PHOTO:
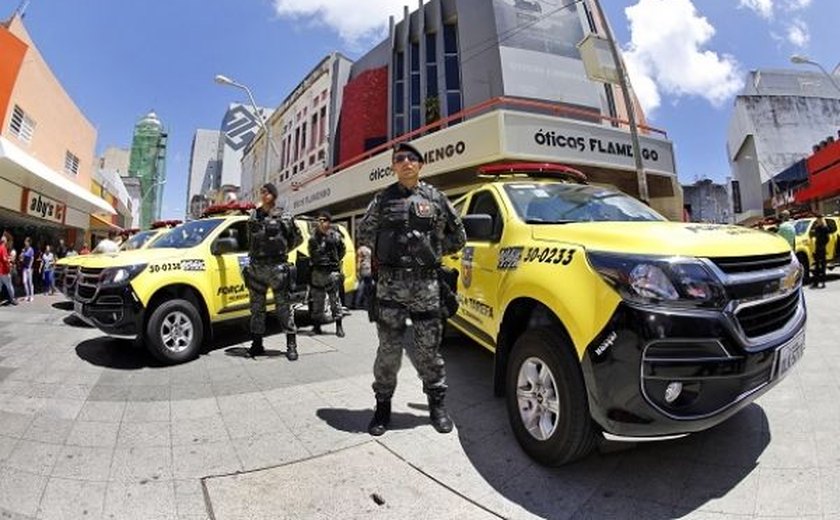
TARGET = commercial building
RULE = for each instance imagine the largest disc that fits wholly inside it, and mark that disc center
(46, 148)
(148, 164)
(108, 185)
(205, 167)
(707, 201)
(475, 82)
(301, 129)
(775, 123)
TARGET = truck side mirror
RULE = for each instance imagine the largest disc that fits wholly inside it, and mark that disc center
(224, 245)
(478, 227)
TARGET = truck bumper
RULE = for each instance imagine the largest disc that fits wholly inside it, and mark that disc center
(116, 311)
(656, 373)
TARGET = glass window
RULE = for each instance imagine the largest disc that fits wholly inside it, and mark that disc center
(801, 226)
(187, 235)
(560, 203)
(415, 118)
(483, 203)
(399, 126)
(431, 81)
(138, 240)
(453, 73)
(415, 56)
(400, 65)
(415, 90)
(239, 232)
(832, 225)
(431, 48)
(450, 38)
(453, 102)
(399, 98)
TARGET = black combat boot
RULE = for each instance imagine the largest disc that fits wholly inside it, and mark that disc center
(381, 417)
(257, 348)
(339, 329)
(316, 329)
(291, 347)
(438, 415)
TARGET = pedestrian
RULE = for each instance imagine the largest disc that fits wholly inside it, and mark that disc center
(787, 230)
(821, 234)
(61, 250)
(409, 226)
(272, 234)
(85, 250)
(28, 259)
(48, 269)
(326, 251)
(364, 275)
(107, 245)
(6, 267)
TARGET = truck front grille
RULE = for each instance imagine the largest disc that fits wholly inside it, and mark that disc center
(748, 264)
(88, 280)
(764, 318)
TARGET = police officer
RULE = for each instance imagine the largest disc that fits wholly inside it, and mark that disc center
(326, 250)
(409, 226)
(272, 235)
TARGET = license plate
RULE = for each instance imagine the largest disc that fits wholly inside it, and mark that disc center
(789, 354)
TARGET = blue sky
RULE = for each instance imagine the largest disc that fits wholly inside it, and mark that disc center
(119, 59)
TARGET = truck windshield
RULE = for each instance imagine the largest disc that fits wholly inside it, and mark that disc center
(564, 203)
(802, 226)
(187, 235)
(137, 241)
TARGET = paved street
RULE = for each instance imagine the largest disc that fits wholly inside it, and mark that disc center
(92, 428)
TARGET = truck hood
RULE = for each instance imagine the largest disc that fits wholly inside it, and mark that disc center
(664, 238)
(139, 256)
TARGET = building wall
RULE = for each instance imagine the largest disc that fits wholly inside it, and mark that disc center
(707, 201)
(239, 127)
(115, 160)
(59, 124)
(364, 117)
(204, 164)
(774, 124)
(13, 50)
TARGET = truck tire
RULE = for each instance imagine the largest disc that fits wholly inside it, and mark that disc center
(174, 332)
(546, 399)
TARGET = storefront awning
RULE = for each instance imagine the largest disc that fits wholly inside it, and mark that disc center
(20, 168)
(104, 224)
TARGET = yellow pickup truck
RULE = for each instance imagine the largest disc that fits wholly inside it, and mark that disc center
(606, 319)
(805, 244)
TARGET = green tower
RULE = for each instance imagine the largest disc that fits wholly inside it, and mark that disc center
(148, 163)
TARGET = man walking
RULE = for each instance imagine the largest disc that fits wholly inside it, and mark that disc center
(272, 235)
(326, 251)
(787, 230)
(821, 236)
(6, 270)
(409, 226)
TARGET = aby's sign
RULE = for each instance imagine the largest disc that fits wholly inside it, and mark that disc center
(37, 205)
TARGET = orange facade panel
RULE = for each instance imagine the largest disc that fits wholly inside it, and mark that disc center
(13, 49)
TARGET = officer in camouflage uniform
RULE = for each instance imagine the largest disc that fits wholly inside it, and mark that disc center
(272, 234)
(409, 226)
(326, 250)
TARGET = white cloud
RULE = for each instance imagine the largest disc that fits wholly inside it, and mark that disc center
(354, 20)
(796, 5)
(666, 53)
(798, 33)
(764, 8)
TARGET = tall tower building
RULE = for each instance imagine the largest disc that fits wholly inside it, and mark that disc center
(148, 164)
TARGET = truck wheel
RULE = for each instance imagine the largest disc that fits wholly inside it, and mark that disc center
(806, 268)
(546, 399)
(174, 332)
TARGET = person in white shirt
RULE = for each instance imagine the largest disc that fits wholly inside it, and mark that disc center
(107, 245)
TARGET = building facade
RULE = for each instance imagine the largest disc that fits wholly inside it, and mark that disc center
(205, 167)
(476, 82)
(707, 201)
(775, 122)
(302, 130)
(116, 160)
(46, 148)
(148, 164)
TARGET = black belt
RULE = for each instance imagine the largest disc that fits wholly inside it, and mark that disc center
(409, 273)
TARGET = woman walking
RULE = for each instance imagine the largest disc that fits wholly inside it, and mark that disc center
(48, 269)
(28, 256)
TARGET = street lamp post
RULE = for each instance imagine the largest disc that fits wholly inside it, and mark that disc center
(224, 80)
(798, 59)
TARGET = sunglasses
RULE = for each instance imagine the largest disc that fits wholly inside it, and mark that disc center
(402, 156)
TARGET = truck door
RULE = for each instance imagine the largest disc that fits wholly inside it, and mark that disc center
(229, 291)
(831, 248)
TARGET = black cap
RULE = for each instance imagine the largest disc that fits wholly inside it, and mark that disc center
(324, 214)
(405, 147)
(271, 188)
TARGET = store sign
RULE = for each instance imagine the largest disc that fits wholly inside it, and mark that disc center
(37, 205)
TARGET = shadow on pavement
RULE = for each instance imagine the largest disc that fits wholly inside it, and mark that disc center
(75, 321)
(63, 306)
(656, 480)
(356, 421)
(119, 354)
(243, 352)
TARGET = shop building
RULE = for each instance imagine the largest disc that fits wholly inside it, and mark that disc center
(46, 148)
(774, 125)
(475, 82)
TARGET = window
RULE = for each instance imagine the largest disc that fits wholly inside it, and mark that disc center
(21, 125)
(483, 203)
(239, 232)
(71, 163)
(314, 137)
(303, 138)
(452, 69)
(321, 131)
(450, 39)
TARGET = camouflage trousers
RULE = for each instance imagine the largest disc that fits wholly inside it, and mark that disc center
(401, 299)
(325, 286)
(259, 278)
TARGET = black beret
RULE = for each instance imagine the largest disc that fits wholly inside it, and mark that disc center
(271, 188)
(405, 147)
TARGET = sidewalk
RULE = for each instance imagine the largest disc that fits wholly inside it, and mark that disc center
(92, 428)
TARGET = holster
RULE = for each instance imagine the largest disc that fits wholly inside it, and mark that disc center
(372, 301)
(448, 286)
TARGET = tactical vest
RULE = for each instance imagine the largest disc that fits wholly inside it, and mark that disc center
(406, 229)
(268, 237)
(326, 254)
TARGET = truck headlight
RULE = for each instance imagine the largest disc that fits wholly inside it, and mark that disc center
(120, 275)
(654, 280)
